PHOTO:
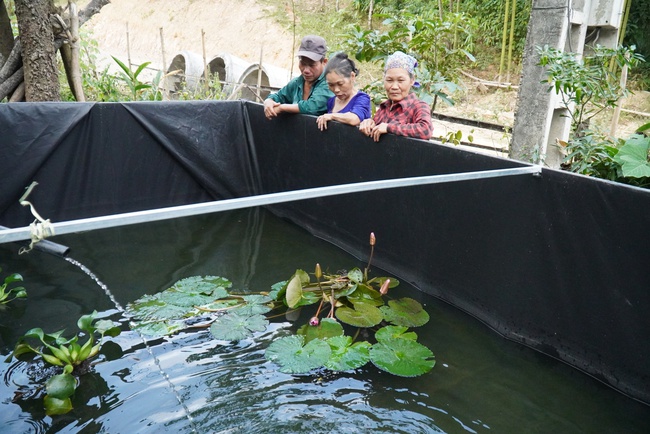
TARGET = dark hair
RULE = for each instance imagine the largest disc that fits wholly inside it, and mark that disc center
(342, 65)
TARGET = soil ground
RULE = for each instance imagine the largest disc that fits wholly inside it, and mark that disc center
(248, 29)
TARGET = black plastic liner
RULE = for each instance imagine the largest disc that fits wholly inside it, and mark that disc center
(558, 262)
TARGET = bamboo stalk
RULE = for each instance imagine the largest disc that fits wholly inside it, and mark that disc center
(503, 39)
(162, 48)
(205, 61)
(128, 46)
(512, 38)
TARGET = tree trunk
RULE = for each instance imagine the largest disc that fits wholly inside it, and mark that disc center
(39, 53)
(6, 34)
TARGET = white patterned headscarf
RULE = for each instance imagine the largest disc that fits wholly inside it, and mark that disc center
(401, 60)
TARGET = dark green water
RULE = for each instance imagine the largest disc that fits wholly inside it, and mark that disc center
(481, 383)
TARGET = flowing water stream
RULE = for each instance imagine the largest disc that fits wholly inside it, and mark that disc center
(192, 383)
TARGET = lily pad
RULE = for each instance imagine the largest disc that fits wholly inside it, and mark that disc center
(294, 358)
(255, 305)
(390, 332)
(402, 357)
(405, 312)
(366, 294)
(185, 299)
(346, 355)
(158, 328)
(210, 285)
(294, 291)
(152, 308)
(355, 275)
(327, 328)
(234, 327)
(363, 315)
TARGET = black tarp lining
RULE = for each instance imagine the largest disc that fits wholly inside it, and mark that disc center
(557, 262)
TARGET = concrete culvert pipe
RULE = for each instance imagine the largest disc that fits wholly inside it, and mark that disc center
(272, 78)
(229, 68)
(185, 71)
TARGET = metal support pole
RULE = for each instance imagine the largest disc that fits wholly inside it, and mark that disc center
(72, 226)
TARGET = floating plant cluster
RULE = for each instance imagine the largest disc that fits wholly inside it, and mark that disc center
(346, 300)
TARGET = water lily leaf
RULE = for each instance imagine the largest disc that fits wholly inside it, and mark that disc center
(405, 312)
(363, 315)
(54, 406)
(402, 357)
(355, 275)
(294, 291)
(327, 328)
(221, 304)
(294, 358)
(214, 286)
(365, 293)
(185, 299)
(255, 305)
(158, 328)
(278, 290)
(345, 355)
(154, 309)
(390, 332)
(234, 327)
(61, 386)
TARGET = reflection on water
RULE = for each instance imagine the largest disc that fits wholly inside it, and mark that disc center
(481, 383)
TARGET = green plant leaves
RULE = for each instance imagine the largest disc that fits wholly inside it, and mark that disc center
(234, 327)
(54, 406)
(633, 156)
(363, 315)
(295, 358)
(405, 312)
(403, 357)
(346, 355)
(61, 386)
(294, 291)
(325, 329)
(161, 314)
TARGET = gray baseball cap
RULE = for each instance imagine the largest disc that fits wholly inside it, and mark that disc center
(313, 47)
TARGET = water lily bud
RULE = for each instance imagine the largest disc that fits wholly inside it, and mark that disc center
(372, 238)
(314, 321)
(318, 272)
(384, 287)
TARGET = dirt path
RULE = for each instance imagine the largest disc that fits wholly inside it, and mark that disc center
(240, 28)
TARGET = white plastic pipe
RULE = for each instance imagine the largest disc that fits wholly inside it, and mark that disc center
(109, 221)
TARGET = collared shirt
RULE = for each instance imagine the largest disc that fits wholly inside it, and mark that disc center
(315, 104)
(409, 117)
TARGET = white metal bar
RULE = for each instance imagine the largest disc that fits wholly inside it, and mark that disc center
(87, 224)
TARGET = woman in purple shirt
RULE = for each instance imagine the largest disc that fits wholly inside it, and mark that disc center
(348, 105)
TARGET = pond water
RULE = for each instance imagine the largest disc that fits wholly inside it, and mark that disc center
(191, 383)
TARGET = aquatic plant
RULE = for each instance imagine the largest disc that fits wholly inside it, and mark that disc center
(348, 299)
(8, 295)
(73, 357)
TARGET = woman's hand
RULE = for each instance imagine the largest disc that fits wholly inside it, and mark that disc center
(366, 126)
(378, 130)
(322, 121)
